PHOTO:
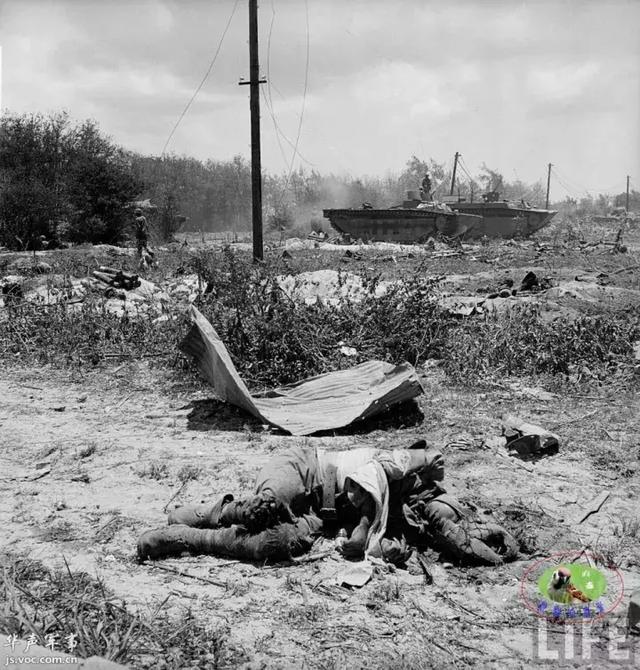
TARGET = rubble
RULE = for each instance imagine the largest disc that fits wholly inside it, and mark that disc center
(122, 292)
(117, 278)
(28, 265)
(633, 614)
(528, 441)
(329, 286)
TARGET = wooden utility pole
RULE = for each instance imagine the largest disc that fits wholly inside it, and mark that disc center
(453, 176)
(626, 206)
(548, 186)
(254, 106)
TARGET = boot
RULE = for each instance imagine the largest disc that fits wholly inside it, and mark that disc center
(200, 516)
(529, 441)
(279, 543)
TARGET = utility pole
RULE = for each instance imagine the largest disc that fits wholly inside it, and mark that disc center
(453, 176)
(626, 206)
(254, 106)
(548, 186)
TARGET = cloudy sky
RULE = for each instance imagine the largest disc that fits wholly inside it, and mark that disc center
(515, 85)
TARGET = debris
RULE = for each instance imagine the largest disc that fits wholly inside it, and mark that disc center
(329, 286)
(29, 265)
(527, 440)
(618, 247)
(633, 616)
(595, 506)
(12, 290)
(355, 574)
(422, 562)
(38, 475)
(325, 402)
(117, 278)
(531, 282)
(182, 573)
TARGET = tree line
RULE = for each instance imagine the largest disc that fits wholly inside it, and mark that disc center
(66, 181)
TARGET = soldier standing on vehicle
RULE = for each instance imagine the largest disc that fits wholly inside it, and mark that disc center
(425, 188)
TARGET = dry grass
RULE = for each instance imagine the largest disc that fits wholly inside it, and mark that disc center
(40, 602)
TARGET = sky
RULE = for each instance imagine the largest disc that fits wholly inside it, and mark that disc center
(361, 86)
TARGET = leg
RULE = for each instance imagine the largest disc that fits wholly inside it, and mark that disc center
(281, 542)
(292, 478)
(284, 491)
(200, 516)
(286, 488)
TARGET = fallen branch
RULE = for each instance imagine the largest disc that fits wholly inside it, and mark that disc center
(181, 573)
(313, 557)
(577, 418)
(138, 355)
(176, 494)
(595, 506)
(511, 459)
(627, 269)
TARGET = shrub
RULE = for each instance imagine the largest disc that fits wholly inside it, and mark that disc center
(275, 340)
(522, 343)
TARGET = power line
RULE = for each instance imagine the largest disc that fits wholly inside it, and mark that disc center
(204, 79)
(304, 93)
(304, 99)
(268, 98)
(275, 127)
(566, 187)
(586, 190)
(280, 134)
(463, 165)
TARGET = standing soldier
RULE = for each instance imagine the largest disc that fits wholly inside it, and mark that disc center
(425, 187)
(142, 232)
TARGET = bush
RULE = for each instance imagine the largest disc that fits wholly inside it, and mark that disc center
(55, 175)
(521, 343)
(275, 340)
(64, 335)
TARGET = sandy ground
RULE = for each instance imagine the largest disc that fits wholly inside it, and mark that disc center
(92, 459)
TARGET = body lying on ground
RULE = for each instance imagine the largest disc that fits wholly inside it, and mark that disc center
(390, 502)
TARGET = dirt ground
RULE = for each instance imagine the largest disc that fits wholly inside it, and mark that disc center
(92, 458)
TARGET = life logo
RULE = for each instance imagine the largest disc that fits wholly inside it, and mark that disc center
(572, 587)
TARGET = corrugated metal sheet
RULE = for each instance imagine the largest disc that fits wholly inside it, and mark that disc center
(325, 402)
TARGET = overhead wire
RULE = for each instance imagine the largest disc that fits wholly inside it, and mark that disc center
(463, 165)
(304, 92)
(204, 79)
(582, 188)
(570, 190)
(281, 134)
(300, 119)
(269, 99)
(568, 183)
